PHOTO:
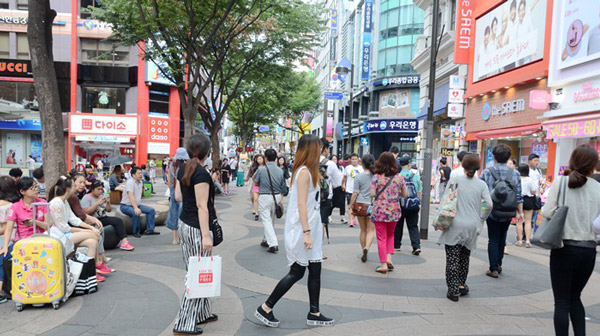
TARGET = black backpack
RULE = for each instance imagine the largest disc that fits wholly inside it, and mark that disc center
(504, 197)
(324, 180)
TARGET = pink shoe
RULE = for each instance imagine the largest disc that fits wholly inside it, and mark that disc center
(102, 269)
(100, 278)
(127, 247)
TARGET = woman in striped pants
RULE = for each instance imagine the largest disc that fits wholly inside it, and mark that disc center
(195, 190)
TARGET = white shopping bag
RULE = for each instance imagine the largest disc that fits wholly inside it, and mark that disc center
(203, 279)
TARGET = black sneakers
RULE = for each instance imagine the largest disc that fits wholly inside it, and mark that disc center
(463, 291)
(319, 321)
(267, 319)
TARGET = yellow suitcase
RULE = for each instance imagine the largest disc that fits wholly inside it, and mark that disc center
(39, 269)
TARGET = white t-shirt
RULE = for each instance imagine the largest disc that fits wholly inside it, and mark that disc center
(30, 163)
(333, 175)
(536, 175)
(529, 187)
(351, 172)
(459, 171)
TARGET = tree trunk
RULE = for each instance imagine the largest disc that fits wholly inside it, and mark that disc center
(216, 148)
(189, 117)
(39, 34)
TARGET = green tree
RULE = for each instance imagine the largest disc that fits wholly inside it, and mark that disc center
(208, 47)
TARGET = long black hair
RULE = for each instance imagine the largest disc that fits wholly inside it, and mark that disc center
(198, 147)
(61, 187)
(8, 190)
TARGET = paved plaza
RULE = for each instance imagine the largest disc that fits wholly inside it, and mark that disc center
(142, 297)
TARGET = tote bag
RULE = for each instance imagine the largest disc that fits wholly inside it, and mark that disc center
(203, 279)
(447, 209)
(550, 233)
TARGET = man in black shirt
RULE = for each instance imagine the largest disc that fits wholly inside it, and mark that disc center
(444, 176)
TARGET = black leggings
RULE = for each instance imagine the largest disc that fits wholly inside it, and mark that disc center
(570, 270)
(296, 273)
(117, 223)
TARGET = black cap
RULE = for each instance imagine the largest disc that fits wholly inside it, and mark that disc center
(404, 161)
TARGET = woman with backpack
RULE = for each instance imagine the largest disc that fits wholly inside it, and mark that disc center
(461, 237)
(572, 265)
(360, 202)
(387, 187)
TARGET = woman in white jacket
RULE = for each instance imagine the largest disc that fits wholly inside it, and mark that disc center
(62, 216)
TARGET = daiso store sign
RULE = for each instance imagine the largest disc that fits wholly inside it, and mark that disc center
(87, 123)
(159, 134)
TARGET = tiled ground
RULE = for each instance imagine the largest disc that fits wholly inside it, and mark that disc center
(142, 297)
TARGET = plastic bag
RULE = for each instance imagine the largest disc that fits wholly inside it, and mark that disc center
(204, 277)
(447, 209)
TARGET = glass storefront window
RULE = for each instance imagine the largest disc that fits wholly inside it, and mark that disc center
(104, 100)
(104, 52)
(22, 46)
(4, 45)
(17, 97)
(3, 4)
(521, 148)
(22, 4)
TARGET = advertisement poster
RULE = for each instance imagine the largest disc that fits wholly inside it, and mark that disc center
(36, 147)
(14, 148)
(395, 104)
(579, 39)
(510, 36)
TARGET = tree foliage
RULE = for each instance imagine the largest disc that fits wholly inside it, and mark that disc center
(271, 97)
(208, 47)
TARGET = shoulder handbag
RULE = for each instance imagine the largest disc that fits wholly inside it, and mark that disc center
(550, 233)
(214, 226)
(369, 211)
(278, 205)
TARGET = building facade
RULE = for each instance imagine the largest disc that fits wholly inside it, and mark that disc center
(508, 65)
(112, 100)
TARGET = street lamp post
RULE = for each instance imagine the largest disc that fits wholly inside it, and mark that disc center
(429, 125)
(346, 71)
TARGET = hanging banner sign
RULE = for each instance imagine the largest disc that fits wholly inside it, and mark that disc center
(334, 22)
(464, 31)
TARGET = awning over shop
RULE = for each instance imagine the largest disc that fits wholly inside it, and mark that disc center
(583, 125)
(439, 105)
(504, 132)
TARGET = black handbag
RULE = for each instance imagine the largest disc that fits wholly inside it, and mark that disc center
(278, 205)
(214, 226)
(537, 203)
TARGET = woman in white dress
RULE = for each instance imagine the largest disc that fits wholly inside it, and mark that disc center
(303, 235)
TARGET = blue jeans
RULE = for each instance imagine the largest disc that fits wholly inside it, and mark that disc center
(150, 214)
(174, 212)
(496, 242)
(8, 258)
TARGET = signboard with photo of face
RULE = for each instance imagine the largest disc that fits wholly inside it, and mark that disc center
(395, 104)
(510, 36)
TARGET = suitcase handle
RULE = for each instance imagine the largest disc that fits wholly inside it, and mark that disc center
(48, 217)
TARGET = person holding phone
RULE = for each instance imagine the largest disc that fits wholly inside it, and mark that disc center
(96, 204)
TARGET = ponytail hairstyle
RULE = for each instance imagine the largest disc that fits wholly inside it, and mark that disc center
(198, 147)
(582, 164)
(63, 184)
(471, 164)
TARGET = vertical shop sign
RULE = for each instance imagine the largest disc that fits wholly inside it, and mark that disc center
(334, 22)
(366, 49)
(464, 31)
(158, 135)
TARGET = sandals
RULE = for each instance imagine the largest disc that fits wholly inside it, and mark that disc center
(527, 244)
(379, 270)
(390, 267)
(519, 243)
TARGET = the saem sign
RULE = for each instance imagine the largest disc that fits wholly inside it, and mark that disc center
(464, 31)
(85, 123)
